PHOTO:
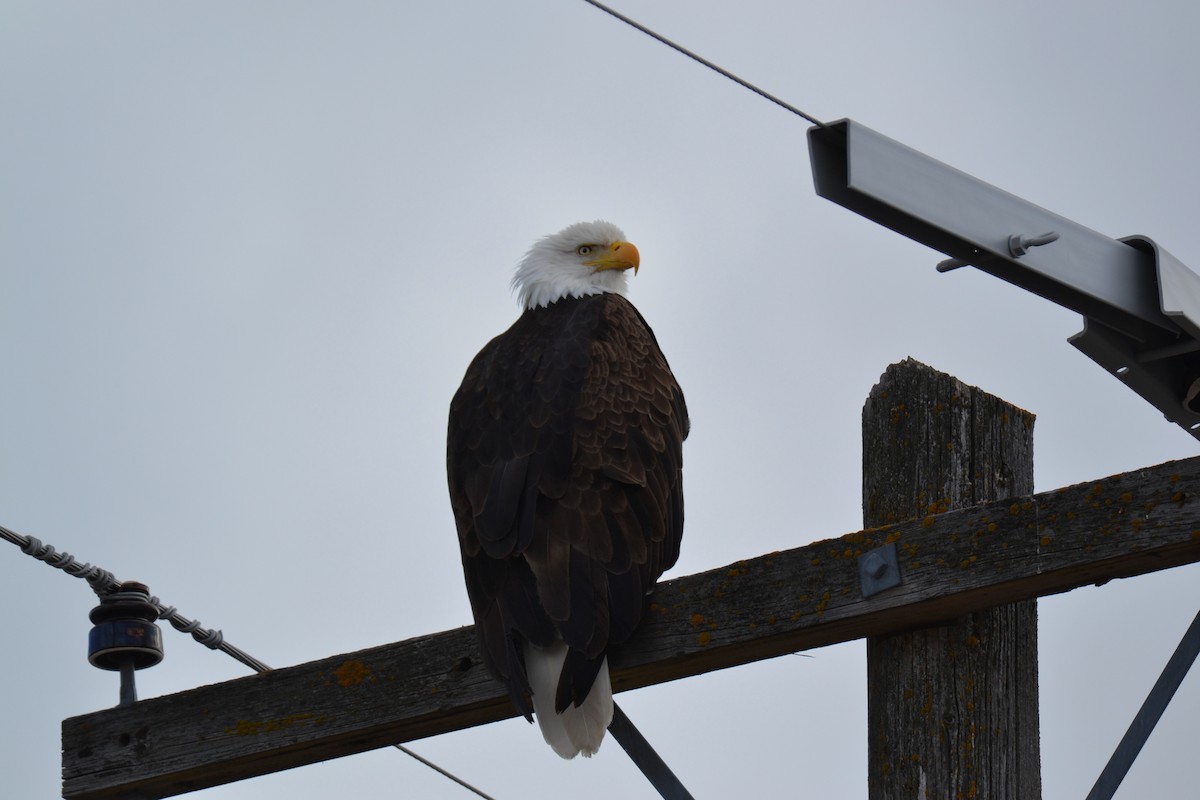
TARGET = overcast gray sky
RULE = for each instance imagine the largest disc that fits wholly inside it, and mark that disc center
(248, 249)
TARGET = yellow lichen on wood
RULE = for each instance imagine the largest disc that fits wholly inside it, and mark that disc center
(352, 673)
(246, 727)
(820, 609)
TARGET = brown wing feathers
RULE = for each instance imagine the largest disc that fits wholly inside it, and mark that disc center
(565, 458)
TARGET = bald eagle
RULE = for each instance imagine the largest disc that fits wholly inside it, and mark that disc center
(564, 458)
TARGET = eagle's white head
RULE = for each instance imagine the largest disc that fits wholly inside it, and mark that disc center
(581, 259)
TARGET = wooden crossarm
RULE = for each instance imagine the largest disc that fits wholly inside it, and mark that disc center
(779, 603)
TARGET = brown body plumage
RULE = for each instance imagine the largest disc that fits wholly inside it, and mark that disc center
(564, 458)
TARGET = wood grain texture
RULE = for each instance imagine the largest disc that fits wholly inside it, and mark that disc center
(952, 708)
(952, 563)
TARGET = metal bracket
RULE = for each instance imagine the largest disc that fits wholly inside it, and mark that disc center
(879, 569)
(1142, 306)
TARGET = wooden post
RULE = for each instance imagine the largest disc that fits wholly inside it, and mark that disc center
(953, 708)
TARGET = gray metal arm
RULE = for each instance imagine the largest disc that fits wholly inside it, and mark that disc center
(1142, 306)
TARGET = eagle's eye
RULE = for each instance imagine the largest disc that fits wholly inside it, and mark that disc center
(583, 249)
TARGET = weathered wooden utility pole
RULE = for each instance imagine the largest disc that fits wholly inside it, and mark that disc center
(952, 708)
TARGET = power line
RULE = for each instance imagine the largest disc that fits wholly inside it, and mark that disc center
(101, 580)
(707, 63)
(104, 583)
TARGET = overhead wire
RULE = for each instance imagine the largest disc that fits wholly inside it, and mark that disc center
(104, 583)
(700, 59)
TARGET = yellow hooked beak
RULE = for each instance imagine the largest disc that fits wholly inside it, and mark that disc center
(619, 255)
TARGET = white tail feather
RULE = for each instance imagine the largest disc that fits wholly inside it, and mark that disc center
(577, 729)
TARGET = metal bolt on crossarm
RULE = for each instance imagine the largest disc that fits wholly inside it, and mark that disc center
(124, 637)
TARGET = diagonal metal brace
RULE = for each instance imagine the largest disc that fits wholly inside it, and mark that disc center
(648, 761)
(1141, 305)
(1148, 715)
